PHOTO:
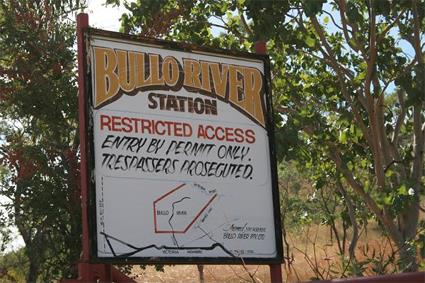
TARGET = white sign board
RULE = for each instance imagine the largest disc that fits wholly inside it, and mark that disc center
(181, 154)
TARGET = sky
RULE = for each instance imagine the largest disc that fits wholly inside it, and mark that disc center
(103, 17)
(107, 17)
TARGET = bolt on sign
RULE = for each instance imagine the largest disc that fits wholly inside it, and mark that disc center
(182, 159)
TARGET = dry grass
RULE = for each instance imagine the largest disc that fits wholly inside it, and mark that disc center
(312, 245)
(314, 251)
(213, 273)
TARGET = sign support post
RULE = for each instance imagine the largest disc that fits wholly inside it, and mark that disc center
(275, 269)
(82, 23)
(88, 272)
(84, 268)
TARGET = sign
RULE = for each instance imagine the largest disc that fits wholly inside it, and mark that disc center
(182, 165)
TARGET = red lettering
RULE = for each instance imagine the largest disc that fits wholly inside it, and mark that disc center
(178, 130)
(127, 127)
(212, 132)
(169, 127)
(239, 135)
(105, 121)
(187, 129)
(229, 134)
(136, 124)
(201, 132)
(116, 123)
(250, 136)
(157, 130)
(146, 124)
(223, 136)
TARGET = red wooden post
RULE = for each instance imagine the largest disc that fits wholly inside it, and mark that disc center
(88, 272)
(84, 268)
(275, 269)
(260, 47)
(107, 273)
(275, 273)
(82, 23)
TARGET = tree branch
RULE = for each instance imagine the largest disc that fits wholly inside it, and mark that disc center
(343, 6)
(398, 75)
(220, 26)
(384, 142)
(353, 45)
(418, 142)
(400, 119)
(285, 110)
(381, 36)
(372, 54)
(332, 19)
(334, 64)
(416, 33)
(376, 139)
(348, 175)
(352, 215)
(245, 24)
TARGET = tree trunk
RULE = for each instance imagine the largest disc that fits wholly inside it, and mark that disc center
(33, 271)
(201, 273)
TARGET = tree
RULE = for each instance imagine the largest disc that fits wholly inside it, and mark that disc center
(340, 102)
(334, 68)
(39, 137)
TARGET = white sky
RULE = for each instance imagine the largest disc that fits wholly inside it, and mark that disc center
(102, 17)
(107, 18)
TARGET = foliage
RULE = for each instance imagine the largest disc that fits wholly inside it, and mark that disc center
(39, 144)
(13, 266)
(331, 91)
(303, 207)
(4, 233)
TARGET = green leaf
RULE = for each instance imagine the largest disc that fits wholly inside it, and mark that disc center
(342, 137)
(360, 77)
(353, 12)
(402, 190)
(367, 186)
(326, 20)
(388, 200)
(311, 42)
(312, 8)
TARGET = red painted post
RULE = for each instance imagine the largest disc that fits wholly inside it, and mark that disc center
(275, 269)
(82, 23)
(107, 269)
(88, 272)
(275, 273)
(85, 271)
(260, 47)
